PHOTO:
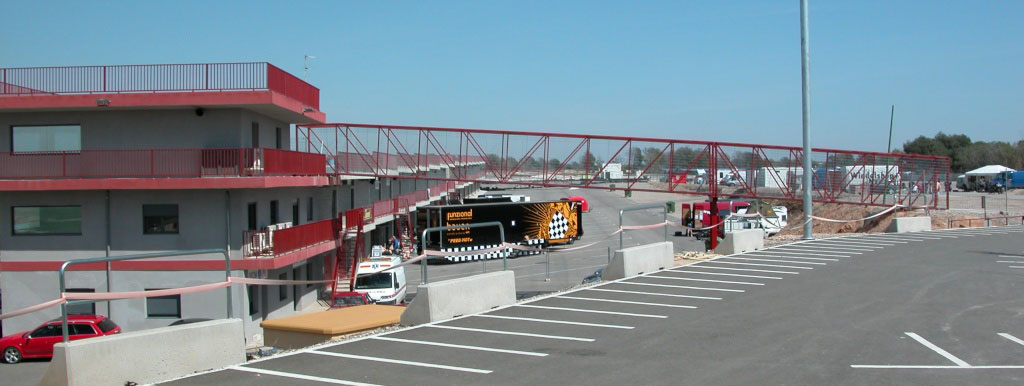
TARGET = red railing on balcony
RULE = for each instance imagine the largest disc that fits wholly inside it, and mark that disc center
(156, 78)
(160, 163)
(304, 236)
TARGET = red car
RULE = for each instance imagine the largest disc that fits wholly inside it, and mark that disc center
(348, 299)
(39, 343)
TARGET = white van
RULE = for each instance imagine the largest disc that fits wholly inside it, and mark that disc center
(387, 287)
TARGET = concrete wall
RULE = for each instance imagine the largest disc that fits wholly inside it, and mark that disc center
(160, 129)
(442, 300)
(147, 356)
(741, 241)
(910, 224)
(633, 261)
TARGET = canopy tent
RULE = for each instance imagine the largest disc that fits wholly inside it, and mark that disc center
(988, 170)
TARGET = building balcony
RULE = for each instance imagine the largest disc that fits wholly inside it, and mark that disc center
(260, 86)
(155, 168)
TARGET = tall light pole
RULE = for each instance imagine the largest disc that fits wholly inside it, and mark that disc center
(805, 70)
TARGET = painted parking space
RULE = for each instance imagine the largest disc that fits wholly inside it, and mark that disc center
(655, 318)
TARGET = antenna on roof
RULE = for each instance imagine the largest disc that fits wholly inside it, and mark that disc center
(305, 65)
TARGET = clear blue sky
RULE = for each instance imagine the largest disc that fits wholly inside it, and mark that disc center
(706, 70)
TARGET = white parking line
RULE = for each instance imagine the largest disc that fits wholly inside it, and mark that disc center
(486, 331)
(902, 236)
(656, 294)
(400, 362)
(554, 321)
(732, 274)
(854, 243)
(740, 269)
(790, 257)
(933, 367)
(775, 260)
(477, 348)
(706, 280)
(794, 253)
(680, 286)
(628, 302)
(1012, 338)
(852, 251)
(593, 311)
(1009, 261)
(1019, 256)
(1015, 266)
(758, 265)
(299, 376)
(938, 350)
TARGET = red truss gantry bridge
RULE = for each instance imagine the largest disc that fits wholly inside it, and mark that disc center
(713, 169)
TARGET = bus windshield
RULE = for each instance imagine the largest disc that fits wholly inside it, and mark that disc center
(375, 281)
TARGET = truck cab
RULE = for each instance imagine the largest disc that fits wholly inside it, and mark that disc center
(380, 286)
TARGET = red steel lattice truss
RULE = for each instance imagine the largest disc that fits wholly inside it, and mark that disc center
(713, 169)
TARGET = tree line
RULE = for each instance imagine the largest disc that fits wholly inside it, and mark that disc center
(965, 155)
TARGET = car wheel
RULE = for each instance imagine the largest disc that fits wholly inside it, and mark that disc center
(12, 355)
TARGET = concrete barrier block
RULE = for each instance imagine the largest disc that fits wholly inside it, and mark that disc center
(633, 261)
(147, 356)
(741, 241)
(910, 224)
(447, 299)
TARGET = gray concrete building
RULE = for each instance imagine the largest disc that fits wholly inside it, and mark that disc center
(202, 158)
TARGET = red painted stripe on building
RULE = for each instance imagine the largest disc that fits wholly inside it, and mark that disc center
(164, 183)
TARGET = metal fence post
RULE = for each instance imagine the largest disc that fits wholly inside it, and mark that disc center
(547, 264)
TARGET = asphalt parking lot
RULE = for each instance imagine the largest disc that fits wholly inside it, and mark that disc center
(937, 308)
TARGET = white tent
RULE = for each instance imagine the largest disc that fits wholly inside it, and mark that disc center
(988, 170)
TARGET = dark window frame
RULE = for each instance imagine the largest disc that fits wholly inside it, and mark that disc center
(254, 306)
(91, 305)
(278, 135)
(295, 212)
(149, 313)
(274, 209)
(14, 230)
(177, 220)
(40, 152)
(252, 211)
(255, 135)
(309, 209)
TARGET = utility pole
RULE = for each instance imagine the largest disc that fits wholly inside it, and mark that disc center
(888, 149)
(892, 113)
(805, 70)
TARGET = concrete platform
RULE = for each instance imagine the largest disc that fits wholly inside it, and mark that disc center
(309, 329)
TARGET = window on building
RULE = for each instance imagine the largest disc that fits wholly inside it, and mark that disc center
(273, 212)
(280, 143)
(160, 219)
(309, 209)
(252, 216)
(334, 203)
(282, 290)
(163, 306)
(46, 138)
(309, 274)
(46, 220)
(255, 134)
(295, 212)
(81, 308)
(252, 291)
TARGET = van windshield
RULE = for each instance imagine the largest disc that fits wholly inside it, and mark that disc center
(375, 281)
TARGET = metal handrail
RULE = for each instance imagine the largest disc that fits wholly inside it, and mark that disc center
(664, 209)
(501, 230)
(63, 267)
